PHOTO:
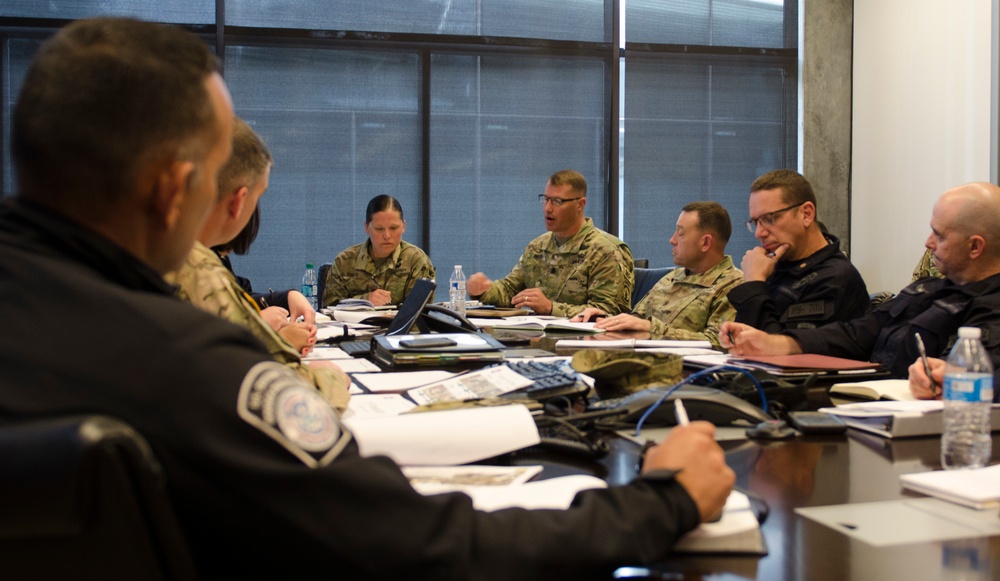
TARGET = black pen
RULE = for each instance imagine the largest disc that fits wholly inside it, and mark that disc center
(927, 364)
(372, 276)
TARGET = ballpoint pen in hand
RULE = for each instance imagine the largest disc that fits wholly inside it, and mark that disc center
(680, 412)
(927, 364)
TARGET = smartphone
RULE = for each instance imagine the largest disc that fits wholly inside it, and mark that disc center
(816, 423)
(427, 342)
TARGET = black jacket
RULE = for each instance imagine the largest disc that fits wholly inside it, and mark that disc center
(933, 307)
(803, 294)
(89, 329)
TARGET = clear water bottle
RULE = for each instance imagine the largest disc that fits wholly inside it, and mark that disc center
(310, 286)
(456, 290)
(968, 393)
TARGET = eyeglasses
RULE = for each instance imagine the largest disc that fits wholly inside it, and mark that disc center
(768, 219)
(557, 202)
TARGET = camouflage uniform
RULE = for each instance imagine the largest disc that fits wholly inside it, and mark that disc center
(690, 306)
(592, 269)
(354, 270)
(926, 267)
(205, 282)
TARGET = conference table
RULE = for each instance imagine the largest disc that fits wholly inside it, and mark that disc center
(807, 471)
(815, 471)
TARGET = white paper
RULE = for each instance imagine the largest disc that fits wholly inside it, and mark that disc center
(446, 438)
(377, 405)
(401, 380)
(481, 384)
(554, 493)
(324, 353)
(702, 347)
(438, 479)
(886, 408)
(355, 365)
(358, 316)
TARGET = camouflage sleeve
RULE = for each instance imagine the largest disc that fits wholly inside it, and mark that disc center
(720, 311)
(503, 290)
(925, 267)
(610, 286)
(422, 268)
(337, 282)
(331, 382)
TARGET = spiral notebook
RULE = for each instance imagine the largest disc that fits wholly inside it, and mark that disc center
(978, 488)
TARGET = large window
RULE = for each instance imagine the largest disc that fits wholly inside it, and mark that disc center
(462, 108)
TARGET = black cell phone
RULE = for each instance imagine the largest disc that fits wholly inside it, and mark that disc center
(427, 342)
(816, 423)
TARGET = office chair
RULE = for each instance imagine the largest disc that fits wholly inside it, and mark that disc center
(83, 498)
(324, 271)
(640, 263)
(645, 280)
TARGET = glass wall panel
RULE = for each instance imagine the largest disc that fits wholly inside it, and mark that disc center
(682, 145)
(178, 11)
(581, 20)
(342, 127)
(17, 56)
(756, 23)
(500, 126)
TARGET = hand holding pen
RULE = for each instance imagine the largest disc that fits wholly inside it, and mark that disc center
(378, 296)
(925, 365)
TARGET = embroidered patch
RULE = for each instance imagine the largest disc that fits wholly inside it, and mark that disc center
(279, 403)
(809, 309)
(805, 279)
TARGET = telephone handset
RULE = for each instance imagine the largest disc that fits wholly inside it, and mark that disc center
(445, 320)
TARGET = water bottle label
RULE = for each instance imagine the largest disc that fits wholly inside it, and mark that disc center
(972, 388)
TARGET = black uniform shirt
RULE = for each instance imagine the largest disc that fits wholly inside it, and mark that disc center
(933, 307)
(803, 294)
(89, 329)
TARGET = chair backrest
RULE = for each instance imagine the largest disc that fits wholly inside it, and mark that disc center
(640, 263)
(646, 279)
(324, 271)
(83, 498)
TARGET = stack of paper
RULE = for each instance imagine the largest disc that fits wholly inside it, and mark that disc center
(978, 488)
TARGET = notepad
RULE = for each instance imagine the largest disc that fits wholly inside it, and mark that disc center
(561, 325)
(891, 389)
(978, 488)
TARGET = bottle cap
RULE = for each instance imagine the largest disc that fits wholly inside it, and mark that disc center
(457, 266)
(309, 265)
(969, 333)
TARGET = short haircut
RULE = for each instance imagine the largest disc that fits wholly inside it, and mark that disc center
(241, 243)
(382, 203)
(248, 162)
(103, 99)
(712, 217)
(795, 188)
(571, 178)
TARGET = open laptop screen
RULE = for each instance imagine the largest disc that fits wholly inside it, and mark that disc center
(408, 313)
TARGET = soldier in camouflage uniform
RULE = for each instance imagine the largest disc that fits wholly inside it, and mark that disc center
(689, 303)
(205, 282)
(926, 267)
(573, 266)
(383, 269)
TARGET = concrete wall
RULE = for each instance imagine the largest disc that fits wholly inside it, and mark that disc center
(825, 38)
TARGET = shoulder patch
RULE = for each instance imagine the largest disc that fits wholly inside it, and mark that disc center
(279, 403)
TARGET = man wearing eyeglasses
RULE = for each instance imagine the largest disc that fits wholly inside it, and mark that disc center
(797, 278)
(963, 242)
(573, 266)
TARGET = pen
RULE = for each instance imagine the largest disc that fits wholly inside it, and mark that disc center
(372, 276)
(680, 412)
(927, 364)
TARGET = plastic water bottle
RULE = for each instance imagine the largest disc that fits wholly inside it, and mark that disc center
(310, 286)
(968, 393)
(456, 290)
